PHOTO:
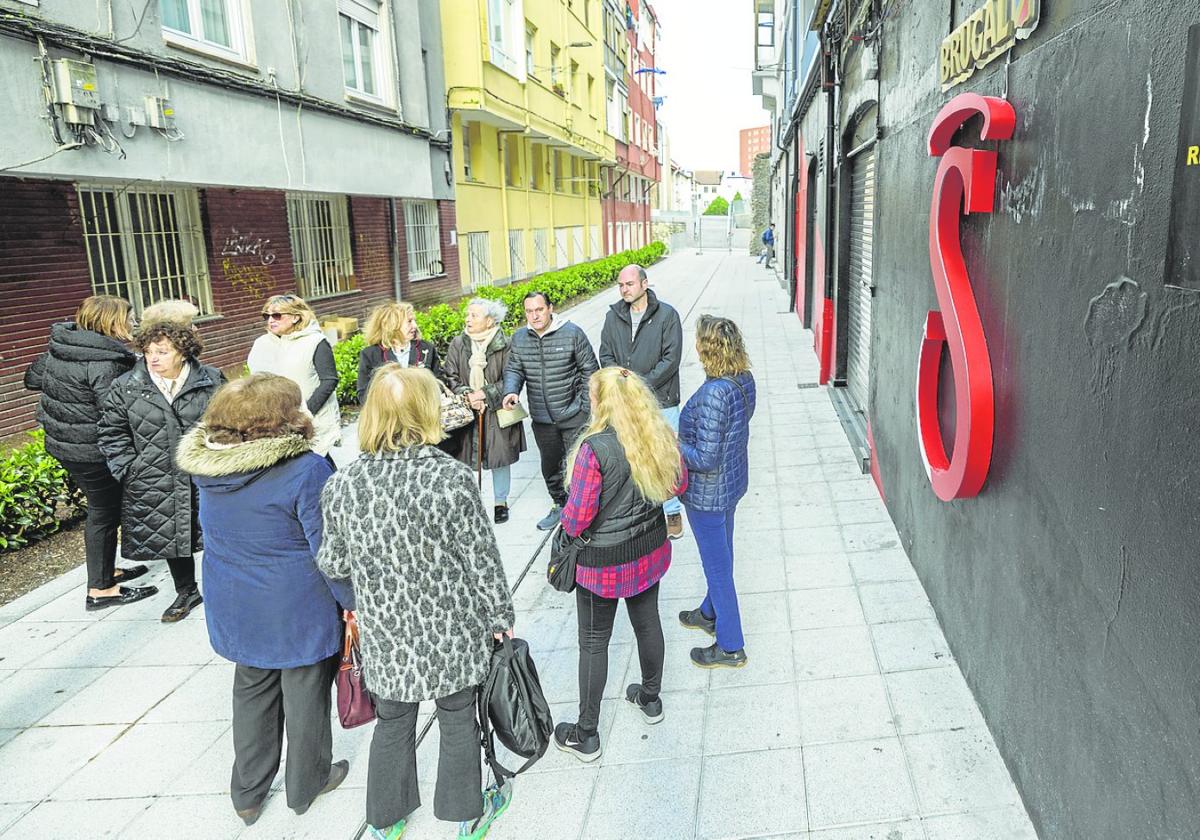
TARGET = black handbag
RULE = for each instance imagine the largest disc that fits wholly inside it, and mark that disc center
(565, 549)
(513, 708)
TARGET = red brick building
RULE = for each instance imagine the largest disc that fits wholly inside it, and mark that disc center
(752, 142)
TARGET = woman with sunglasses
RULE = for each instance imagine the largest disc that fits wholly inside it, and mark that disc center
(294, 347)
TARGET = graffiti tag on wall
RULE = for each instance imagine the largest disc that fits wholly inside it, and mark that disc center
(252, 278)
(246, 244)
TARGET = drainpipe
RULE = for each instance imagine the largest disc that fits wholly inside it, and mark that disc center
(502, 145)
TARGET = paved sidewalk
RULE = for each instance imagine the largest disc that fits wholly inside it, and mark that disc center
(851, 720)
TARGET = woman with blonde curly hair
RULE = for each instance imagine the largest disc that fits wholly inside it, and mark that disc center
(391, 335)
(623, 467)
(714, 432)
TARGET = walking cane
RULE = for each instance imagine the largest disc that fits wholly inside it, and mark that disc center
(479, 451)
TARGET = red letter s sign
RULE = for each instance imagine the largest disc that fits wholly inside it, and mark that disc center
(966, 178)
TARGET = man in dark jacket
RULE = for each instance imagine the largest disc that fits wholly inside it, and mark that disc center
(644, 334)
(553, 359)
(768, 241)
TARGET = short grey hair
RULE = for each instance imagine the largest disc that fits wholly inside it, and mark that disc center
(493, 309)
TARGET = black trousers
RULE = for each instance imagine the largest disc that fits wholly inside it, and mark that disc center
(596, 615)
(183, 572)
(265, 703)
(554, 440)
(103, 494)
(392, 792)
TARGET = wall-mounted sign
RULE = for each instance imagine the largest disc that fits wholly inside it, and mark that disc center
(965, 183)
(1183, 247)
(985, 36)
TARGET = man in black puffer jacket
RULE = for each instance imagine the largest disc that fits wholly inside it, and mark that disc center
(554, 360)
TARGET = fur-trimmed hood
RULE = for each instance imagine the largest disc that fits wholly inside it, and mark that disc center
(239, 463)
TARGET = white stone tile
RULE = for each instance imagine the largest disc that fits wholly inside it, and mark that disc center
(207, 774)
(683, 581)
(679, 673)
(882, 566)
(631, 800)
(10, 812)
(559, 799)
(32, 693)
(862, 511)
(908, 645)
(822, 539)
(185, 643)
(104, 644)
(795, 516)
(69, 606)
(334, 816)
(870, 536)
(748, 542)
(958, 771)
(763, 612)
(833, 652)
(844, 709)
(206, 695)
(206, 817)
(102, 818)
(932, 699)
(777, 803)
(7, 735)
(760, 575)
(905, 830)
(813, 609)
(23, 643)
(549, 629)
(559, 673)
(60, 751)
(758, 717)
(758, 515)
(856, 488)
(790, 457)
(676, 736)
(122, 695)
(141, 761)
(895, 601)
(769, 661)
(818, 571)
(1003, 824)
(857, 782)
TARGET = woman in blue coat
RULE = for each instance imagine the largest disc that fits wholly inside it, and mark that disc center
(714, 430)
(269, 609)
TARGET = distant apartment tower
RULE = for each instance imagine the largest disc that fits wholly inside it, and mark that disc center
(752, 142)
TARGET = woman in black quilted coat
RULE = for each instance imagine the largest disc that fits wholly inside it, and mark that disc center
(146, 413)
(73, 376)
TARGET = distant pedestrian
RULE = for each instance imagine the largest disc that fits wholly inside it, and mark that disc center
(768, 241)
(146, 413)
(268, 608)
(405, 524)
(74, 376)
(626, 463)
(552, 358)
(391, 335)
(294, 346)
(714, 432)
(644, 334)
(474, 366)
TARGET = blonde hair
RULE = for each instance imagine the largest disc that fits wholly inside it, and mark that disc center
(291, 305)
(261, 405)
(720, 347)
(622, 401)
(403, 408)
(180, 311)
(105, 314)
(386, 322)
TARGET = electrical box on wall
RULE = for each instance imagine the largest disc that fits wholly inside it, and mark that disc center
(75, 90)
(160, 113)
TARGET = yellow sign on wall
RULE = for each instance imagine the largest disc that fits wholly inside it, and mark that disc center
(985, 36)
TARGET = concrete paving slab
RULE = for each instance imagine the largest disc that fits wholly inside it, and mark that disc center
(121, 695)
(958, 771)
(40, 759)
(844, 709)
(931, 700)
(813, 609)
(907, 645)
(754, 717)
(1005, 824)
(32, 693)
(894, 601)
(777, 804)
(103, 818)
(857, 782)
(204, 817)
(906, 830)
(656, 799)
(833, 652)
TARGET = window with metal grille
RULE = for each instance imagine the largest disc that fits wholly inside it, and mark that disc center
(562, 236)
(145, 245)
(320, 231)
(541, 250)
(424, 235)
(479, 258)
(516, 254)
(594, 233)
(577, 243)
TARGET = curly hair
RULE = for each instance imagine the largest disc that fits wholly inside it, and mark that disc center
(385, 325)
(182, 337)
(720, 347)
(261, 405)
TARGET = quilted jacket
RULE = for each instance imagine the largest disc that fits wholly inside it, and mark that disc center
(654, 352)
(139, 432)
(555, 367)
(714, 432)
(74, 376)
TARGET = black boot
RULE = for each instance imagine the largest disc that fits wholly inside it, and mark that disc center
(183, 604)
(714, 656)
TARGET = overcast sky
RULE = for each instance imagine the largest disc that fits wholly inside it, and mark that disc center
(707, 49)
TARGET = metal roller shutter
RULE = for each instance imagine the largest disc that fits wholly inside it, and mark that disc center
(862, 232)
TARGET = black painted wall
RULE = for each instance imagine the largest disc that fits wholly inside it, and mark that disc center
(1069, 589)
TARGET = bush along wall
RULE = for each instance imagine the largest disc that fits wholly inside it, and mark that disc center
(32, 486)
(442, 322)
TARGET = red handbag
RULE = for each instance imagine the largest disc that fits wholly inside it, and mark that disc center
(353, 703)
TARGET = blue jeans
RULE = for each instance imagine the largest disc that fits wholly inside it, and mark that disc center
(671, 415)
(713, 531)
(501, 483)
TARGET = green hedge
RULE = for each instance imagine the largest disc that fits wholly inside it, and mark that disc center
(442, 322)
(32, 486)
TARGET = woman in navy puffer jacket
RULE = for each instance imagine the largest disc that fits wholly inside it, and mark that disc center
(714, 430)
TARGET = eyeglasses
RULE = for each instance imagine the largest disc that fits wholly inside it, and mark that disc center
(273, 316)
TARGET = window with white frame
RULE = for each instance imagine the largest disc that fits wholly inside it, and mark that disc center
(319, 226)
(219, 27)
(145, 245)
(424, 237)
(530, 49)
(503, 17)
(364, 49)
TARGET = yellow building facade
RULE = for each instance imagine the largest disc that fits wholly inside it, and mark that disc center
(526, 91)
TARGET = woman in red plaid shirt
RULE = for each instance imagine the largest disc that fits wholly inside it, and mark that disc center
(627, 551)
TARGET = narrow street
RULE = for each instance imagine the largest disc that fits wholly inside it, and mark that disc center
(851, 720)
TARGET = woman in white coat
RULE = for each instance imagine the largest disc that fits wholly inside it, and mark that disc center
(295, 347)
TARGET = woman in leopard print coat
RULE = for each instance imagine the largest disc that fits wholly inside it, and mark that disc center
(406, 525)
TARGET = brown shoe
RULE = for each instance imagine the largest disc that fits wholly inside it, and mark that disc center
(674, 526)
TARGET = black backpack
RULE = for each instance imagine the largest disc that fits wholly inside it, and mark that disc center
(513, 708)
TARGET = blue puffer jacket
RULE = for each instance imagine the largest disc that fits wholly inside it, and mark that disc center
(714, 431)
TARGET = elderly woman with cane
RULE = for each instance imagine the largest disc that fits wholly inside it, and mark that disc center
(474, 367)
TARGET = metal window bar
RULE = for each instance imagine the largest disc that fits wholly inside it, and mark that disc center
(479, 248)
(423, 232)
(577, 243)
(541, 250)
(320, 232)
(594, 233)
(516, 254)
(561, 236)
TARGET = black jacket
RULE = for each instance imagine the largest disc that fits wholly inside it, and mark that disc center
(139, 432)
(372, 357)
(74, 376)
(632, 526)
(555, 367)
(654, 353)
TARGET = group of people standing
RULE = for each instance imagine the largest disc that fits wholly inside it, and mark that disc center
(400, 536)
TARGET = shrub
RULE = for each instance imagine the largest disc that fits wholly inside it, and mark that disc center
(440, 323)
(32, 486)
(718, 207)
